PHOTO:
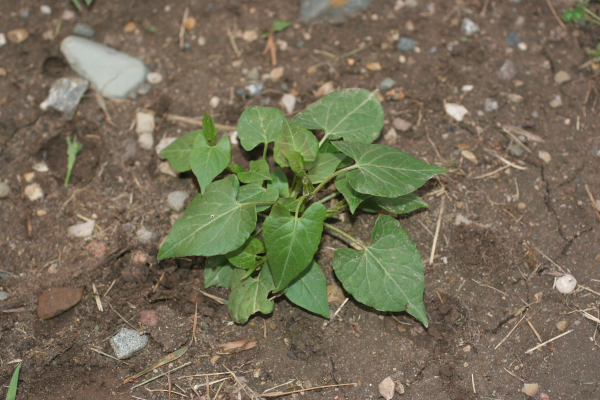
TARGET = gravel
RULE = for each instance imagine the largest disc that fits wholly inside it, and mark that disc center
(128, 342)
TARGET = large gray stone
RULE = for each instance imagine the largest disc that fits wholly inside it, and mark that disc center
(127, 342)
(311, 10)
(113, 73)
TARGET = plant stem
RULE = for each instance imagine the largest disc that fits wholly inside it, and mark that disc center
(591, 14)
(255, 234)
(325, 137)
(262, 203)
(330, 177)
(300, 202)
(344, 234)
(326, 198)
(265, 151)
(253, 268)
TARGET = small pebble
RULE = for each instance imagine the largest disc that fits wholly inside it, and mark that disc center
(24, 14)
(254, 89)
(149, 317)
(33, 192)
(561, 77)
(490, 105)
(2, 41)
(522, 46)
(84, 30)
(374, 66)
(4, 190)
(387, 84)
(276, 73)
(288, 101)
(515, 98)
(530, 389)
(214, 102)
(68, 15)
(253, 74)
(512, 40)
(456, 111)
(56, 300)
(187, 46)
(282, 44)
(401, 124)
(406, 44)
(508, 71)
(166, 169)
(469, 27)
(467, 88)
(177, 200)
(154, 78)
(127, 342)
(391, 136)
(202, 41)
(516, 150)
(433, 50)
(146, 141)
(250, 35)
(46, 10)
(556, 102)
(144, 89)
(83, 230)
(4, 295)
(469, 156)
(17, 35)
(566, 284)
(146, 236)
(144, 122)
(190, 23)
(562, 326)
(129, 27)
(544, 156)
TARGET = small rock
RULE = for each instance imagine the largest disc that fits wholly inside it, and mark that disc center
(46, 10)
(65, 95)
(288, 101)
(214, 102)
(4, 190)
(508, 71)
(374, 66)
(467, 88)
(335, 294)
(456, 111)
(406, 44)
(387, 84)
(325, 89)
(190, 23)
(387, 388)
(144, 89)
(29, 176)
(177, 200)
(530, 389)
(556, 102)
(83, 230)
(254, 89)
(253, 74)
(562, 326)
(399, 387)
(130, 27)
(68, 15)
(276, 73)
(127, 342)
(522, 46)
(410, 26)
(2, 40)
(202, 41)
(544, 156)
(149, 317)
(334, 11)
(4, 295)
(515, 98)
(166, 169)
(84, 30)
(516, 150)
(97, 248)
(34, 192)
(146, 236)
(469, 156)
(144, 122)
(17, 35)
(490, 105)
(512, 40)
(250, 35)
(469, 27)
(282, 44)
(433, 50)
(146, 141)
(566, 284)
(163, 144)
(461, 220)
(391, 136)
(137, 273)
(561, 77)
(401, 125)
(154, 78)
(394, 94)
(24, 14)
(56, 300)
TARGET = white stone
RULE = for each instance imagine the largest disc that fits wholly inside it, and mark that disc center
(83, 230)
(401, 124)
(556, 102)
(146, 236)
(146, 141)
(522, 46)
(46, 10)
(561, 77)
(41, 167)
(544, 156)
(288, 101)
(276, 73)
(566, 284)
(233, 138)
(177, 200)
(113, 73)
(2, 39)
(202, 41)
(166, 169)
(127, 342)
(391, 136)
(469, 27)
(467, 88)
(250, 35)
(461, 220)
(33, 192)
(530, 389)
(282, 44)
(154, 78)
(468, 154)
(387, 388)
(214, 102)
(144, 122)
(456, 111)
(515, 98)
(163, 144)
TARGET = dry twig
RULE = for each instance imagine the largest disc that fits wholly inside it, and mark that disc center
(548, 341)
(437, 231)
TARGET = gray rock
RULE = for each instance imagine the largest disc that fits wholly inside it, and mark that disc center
(127, 342)
(4, 190)
(512, 40)
(311, 10)
(24, 13)
(65, 95)
(433, 50)
(469, 27)
(144, 89)
(490, 105)
(406, 44)
(177, 200)
(507, 71)
(254, 89)
(516, 150)
(146, 236)
(115, 74)
(4, 295)
(84, 30)
(387, 84)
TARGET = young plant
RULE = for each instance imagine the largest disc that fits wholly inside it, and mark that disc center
(77, 4)
(73, 148)
(221, 222)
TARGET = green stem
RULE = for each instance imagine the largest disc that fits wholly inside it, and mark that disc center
(330, 177)
(255, 234)
(591, 14)
(265, 151)
(344, 234)
(323, 140)
(327, 198)
(300, 202)
(253, 268)
(262, 203)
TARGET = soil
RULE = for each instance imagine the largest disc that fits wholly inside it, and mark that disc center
(485, 278)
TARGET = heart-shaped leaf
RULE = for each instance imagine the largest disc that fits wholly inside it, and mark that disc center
(259, 125)
(178, 152)
(255, 192)
(399, 205)
(353, 198)
(295, 138)
(280, 182)
(250, 295)
(217, 272)
(384, 171)
(259, 171)
(296, 162)
(355, 115)
(217, 223)
(209, 161)
(388, 275)
(323, 166)
(292, 241)
(209, 128)
(309, 290)
(247, 255)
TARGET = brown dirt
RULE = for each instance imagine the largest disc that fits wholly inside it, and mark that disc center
(119, 185)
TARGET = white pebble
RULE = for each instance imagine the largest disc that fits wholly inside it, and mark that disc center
(522, 46)
(82, 230)
(46, 10)
(166, 169)
(144, 122)
(566, 284)
(544, 156)
(288, 101)
(146, 141)
(456, 111)
(468, 154)
(154, 78)
(34, 192)
(233, 138)
(202, 41)
(467, 88)
(276, 73)
(41, 167)
(2, 39)
(214, 102)
(530, 389)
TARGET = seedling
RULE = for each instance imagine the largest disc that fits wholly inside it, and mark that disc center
(580, 13)
(73, 148)
(278, 26)
(77, 4)
(14, 382)
(277, 257)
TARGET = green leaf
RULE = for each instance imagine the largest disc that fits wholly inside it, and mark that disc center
(235, 168)
(217, 272)
(255, 192)
(309, 290)
(209, 161)
(290, 203)
(388, 275)
(279, 25)
(296, 162)
(178, 152)
(73, 148)
(247, 255)
(353, 198)
(399, 205)
(355, 115)
(259, 171)
(250, 295)
(323, 166)
(217, 223)
(280, 182)
(11, 394)
(291, 242)
(296, 138)
(210, 130)
(259, 125)
(384, 171)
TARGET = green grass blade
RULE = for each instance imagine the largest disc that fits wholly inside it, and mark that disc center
(88, 2)
(14, 382)
(77, 4)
